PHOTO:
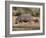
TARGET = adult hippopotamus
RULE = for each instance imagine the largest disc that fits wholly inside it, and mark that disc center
(24, 18)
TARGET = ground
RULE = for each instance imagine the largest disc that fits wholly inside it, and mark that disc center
(25, 26)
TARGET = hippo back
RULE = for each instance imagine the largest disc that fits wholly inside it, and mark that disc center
(24, 17)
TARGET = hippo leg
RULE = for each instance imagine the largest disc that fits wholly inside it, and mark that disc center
(29, 21)
(16, 22)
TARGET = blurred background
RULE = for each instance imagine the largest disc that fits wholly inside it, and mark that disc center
(21, 10)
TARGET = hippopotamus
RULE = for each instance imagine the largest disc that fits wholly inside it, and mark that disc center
(24, 18)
